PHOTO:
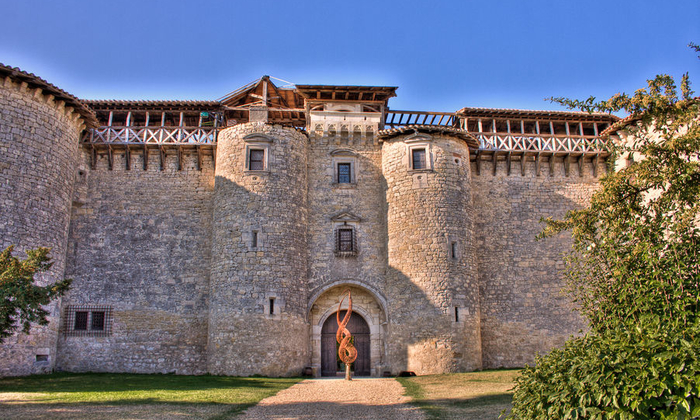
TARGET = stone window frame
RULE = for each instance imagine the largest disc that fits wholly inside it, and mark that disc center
(257, 142)
(344, 156)
(273, 305)
(417, 142)
(90, 311)
(454, 248)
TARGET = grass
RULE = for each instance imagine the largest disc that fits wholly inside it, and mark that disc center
(474, 395)
(113, 396)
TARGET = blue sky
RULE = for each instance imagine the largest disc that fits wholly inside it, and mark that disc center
(442, 55)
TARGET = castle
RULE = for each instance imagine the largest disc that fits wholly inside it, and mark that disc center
(217, 236)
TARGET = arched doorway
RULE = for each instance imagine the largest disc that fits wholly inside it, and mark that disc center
(330, 365)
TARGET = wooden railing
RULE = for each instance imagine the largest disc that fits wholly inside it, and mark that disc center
(150, 135)
(540, 143)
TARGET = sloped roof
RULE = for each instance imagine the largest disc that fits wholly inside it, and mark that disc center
(252, 95)
(34, 81)
(347, 93)
(392, 132)
(528, 113)
(114, 104)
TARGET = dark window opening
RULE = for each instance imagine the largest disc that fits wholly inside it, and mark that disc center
(81, 321)
(344, 173)
(98, 321)
(272, 306)
(257, 160)
(254, 239)
(42, 357)
(345, 240)
(453, 250)
(419, 159)
(456, 314)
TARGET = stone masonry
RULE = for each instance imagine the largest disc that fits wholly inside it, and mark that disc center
(217, 237)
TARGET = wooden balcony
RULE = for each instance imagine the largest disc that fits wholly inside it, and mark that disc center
(588, 145)
(175, 136)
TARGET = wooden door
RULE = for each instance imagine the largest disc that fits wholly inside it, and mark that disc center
(329, 354)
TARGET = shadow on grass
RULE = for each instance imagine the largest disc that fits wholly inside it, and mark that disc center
(105, 389)
(486, 406)
(120, 382)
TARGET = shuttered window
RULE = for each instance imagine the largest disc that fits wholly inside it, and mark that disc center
(257, 160)
(344, 173)
(418, 158)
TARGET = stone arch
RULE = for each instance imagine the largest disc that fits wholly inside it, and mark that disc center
(368, 305)
(381, 299)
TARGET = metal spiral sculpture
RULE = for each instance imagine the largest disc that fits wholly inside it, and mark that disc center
(347, 352)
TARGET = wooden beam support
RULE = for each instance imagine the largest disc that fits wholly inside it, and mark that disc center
(110, 157)
(508, 161)
(93, 157)
(478, 162)
(145, 157)
(580, 165)
(179, 158)
(523, 158)
(199, 158)
(567, 164)
(495, 162)
(162, 157)
(595, 165)
(551, 165)
(213, 157)
(127, 158)
(538, 162)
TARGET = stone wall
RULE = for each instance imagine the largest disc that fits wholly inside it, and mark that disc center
(523, 310)
(38, 154)
(433, 302)
(258, 307)
(140, 243)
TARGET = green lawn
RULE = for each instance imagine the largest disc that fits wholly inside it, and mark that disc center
(114, 396)
(474, 396)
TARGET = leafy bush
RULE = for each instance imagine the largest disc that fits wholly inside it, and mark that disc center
(634, 272)
(648, 372)
(20, 299)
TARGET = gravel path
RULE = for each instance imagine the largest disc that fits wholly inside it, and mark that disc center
(375, 398)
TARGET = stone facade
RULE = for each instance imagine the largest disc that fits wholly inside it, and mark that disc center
(230, 262)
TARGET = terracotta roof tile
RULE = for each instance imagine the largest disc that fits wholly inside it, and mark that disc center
(391, 132)
(37, 82)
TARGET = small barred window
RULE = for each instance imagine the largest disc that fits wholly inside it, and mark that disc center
(88, 320)
(345, 242)
(81, 321)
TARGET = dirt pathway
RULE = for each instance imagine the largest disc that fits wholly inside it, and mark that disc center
(337, 399)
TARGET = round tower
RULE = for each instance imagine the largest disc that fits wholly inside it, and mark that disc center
(258, 286)
(432, 285)
(40, 126)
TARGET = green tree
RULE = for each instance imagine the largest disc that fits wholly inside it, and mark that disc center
(22, 300)
(634, 272)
